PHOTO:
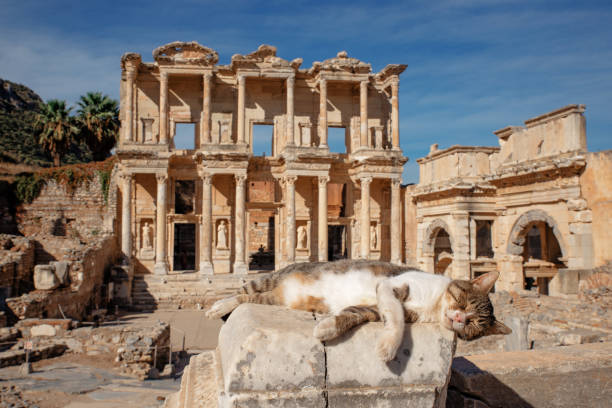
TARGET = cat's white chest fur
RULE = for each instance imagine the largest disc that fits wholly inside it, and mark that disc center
(425, 291)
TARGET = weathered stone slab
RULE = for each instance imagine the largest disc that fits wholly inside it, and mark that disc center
(572, 376)
(268, 357)
(44, 277)
(61, 271)
(518, 339)
(265, 348)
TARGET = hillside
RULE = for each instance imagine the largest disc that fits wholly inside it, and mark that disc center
(18, 145)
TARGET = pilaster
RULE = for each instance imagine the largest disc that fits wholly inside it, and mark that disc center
(396, 238)
(240, 266)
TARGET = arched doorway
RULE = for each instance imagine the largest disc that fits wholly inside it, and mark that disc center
(537, 239)
(438, 244)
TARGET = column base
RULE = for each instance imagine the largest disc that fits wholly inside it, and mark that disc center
(206, 268)
(396, 261)
(160, 268)
(240, 268)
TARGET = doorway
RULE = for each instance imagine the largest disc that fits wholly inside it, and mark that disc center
(184, 247)
(336, 244)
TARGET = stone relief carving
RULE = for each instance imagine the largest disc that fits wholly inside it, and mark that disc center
(180, 52)
(302, 235)
(222, 235)
(373, 237)
(146, 236)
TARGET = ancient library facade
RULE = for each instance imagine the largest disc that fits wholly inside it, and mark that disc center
(257, 164)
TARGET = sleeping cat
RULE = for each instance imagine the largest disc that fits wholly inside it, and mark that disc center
(355, 292)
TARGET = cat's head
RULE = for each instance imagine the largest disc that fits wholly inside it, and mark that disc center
(468, 310)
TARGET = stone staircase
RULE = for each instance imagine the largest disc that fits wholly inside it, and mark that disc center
(182, 291)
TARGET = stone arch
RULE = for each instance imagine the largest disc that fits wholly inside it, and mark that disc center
(516, 240)
(430, 234)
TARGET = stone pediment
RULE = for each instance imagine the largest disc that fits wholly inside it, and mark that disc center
(185, 53)
(390, 71)
(263, 57)
(342, 63)
(130, 60)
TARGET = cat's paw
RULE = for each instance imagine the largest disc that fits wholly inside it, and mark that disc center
(222, 307)
(326, 329)
(387, 346)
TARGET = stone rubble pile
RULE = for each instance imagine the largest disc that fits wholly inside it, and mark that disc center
(11, 397)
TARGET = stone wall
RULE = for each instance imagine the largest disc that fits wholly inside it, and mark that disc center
(596, 186)
(16, 264)
(63, 217)
(87, 268)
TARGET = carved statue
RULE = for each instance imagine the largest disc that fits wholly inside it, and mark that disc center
(302, 236)
(373, 237)
(146, 236)
(222, 235)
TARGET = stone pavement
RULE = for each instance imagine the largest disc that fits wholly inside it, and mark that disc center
(200, 333)
(88, 386)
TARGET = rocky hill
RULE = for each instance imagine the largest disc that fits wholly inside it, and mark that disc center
(19, 106)
(18, 109)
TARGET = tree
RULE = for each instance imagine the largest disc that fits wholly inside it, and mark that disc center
(98, 117)
(56, 128)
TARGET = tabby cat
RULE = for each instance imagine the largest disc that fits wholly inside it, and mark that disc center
(355, 292)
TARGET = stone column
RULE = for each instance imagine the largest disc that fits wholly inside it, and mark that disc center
(473, 242)
(323, 113)
(241, 101)
(290, 208)
(365, 217)
(239, 264)
(322, 218)
(126, 215)
(460, 232)
(396, 237)
(363, 115)
(395, 114)
(163, 108)
(290, 111)
(206, 267)
(205, 119)
(129, 107)
(161, 266)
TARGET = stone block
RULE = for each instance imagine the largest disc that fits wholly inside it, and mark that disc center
(44, 277)
(572, 376)
(61, 271)
(578, 336)
(518, 339)
(43, 330)
(268, 357)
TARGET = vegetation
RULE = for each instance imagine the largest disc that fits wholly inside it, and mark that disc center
(28, 186)
(99, 123)
(37, 133)
(56, 129)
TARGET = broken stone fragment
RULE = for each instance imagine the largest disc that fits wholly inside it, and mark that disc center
(44, 277)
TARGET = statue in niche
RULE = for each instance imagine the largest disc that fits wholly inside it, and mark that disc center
(146, 236)
(302, 236)
(222, 235)
(373, 237)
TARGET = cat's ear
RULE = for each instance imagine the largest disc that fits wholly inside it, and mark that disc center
(497, 328)
(484, 283)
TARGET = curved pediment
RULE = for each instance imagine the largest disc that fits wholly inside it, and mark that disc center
(131, 60)
(343, 63)
(188, 53)
(263, 57)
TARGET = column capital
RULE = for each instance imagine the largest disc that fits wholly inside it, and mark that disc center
(126, 176)
(240, 179)
(323, 180)
(161, 177)
(207, 76)
(206, 178)
(131, 74)
(364, 83)
(164, 76)
(365, 180)
(290, 179)
(396, 182)
(241, 79)
(291, 80)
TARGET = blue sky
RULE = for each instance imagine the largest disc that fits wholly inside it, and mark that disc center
(474, 66)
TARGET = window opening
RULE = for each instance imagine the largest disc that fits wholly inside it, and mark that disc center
(262, 139)
(184, 136)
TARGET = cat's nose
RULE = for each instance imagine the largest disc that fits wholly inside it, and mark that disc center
(459, 317)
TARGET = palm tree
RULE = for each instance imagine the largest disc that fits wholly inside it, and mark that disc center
(56, 128)
(99, 121)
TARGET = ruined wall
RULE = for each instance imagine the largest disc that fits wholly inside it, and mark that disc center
(87, 268)
(63, 218)
(16, 264)
(596, 187)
